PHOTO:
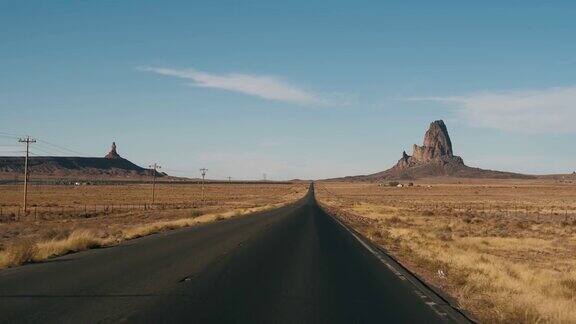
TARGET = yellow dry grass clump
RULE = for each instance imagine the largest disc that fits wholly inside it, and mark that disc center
(78, 240)
(139, 231)
(16, 254)
(27, 251)
(504, 264)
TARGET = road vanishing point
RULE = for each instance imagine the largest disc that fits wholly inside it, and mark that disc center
(295, 264)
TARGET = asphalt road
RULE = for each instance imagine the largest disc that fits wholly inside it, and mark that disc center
(295, 264)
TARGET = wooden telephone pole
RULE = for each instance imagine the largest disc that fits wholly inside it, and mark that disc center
(28, 141)
(203, 173)
(154, 167)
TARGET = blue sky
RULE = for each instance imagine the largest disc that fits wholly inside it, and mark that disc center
(293, 89)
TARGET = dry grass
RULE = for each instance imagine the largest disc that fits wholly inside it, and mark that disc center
(69, 195)
(20, 253)
(78, 240)
(33, 240)
(161, 226)
(512, 262)
(26, 251)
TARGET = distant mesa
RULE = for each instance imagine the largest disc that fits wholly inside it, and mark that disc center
(111, 166)
(435, 158)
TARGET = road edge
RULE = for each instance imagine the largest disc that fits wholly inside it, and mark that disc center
(437, 297)
(167, 229)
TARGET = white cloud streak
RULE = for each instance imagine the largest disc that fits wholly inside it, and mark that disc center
(550, 110)
(523, 163)
(267, 87)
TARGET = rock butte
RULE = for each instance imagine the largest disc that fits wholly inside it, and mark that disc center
(435, 158)
(437, 148)
(111, 166)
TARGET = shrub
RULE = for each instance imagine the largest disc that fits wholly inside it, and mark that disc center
(195, 213)
(78, 240)
(393, 220)
(20, 253)
(375, 233)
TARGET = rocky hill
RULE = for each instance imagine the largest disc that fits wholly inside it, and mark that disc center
(435, 158)
(112, 166)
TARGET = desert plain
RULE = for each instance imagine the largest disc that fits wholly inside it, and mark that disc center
(68, 218)
(504, 250)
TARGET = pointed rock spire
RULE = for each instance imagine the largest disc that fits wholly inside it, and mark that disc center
(437, 147)
(113, 154)
(437, 143)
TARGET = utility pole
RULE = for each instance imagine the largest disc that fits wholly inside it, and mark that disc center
(203, 172)
(154, 167)
(28, 141)
(229, 180)
(264, 176)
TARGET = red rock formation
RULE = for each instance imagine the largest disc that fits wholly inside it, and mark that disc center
(113, 154)
(435, 158)
(437, 148)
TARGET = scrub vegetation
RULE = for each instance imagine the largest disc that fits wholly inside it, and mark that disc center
(61, 227)
(505, 250)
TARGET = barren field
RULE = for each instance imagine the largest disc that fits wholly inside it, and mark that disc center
(505, 250)
(63, 219)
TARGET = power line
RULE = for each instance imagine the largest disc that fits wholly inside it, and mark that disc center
(43, 150)
(179, 171)
(49, 150)
(62, 148)
(52, 145)
(10, 135)
(20, 151)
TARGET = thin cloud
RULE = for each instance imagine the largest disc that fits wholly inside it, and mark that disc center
(523, 163)
(267, 87)
(551, 110)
